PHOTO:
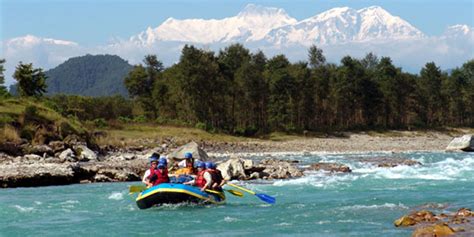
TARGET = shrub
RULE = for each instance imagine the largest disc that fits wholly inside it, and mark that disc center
(9, 134)
(100, 123)
(139, 119)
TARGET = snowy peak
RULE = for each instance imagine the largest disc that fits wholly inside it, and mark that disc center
(251, 24)
(459, 31)
(341, 25)
(273, 25)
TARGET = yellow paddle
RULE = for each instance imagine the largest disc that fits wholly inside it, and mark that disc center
(136, 189)
(264, 197)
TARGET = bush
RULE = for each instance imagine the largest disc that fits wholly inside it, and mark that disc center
(6, 119)
(139, 119)
(31, 111)
(124, 119)
(201, 126)
(100, 123)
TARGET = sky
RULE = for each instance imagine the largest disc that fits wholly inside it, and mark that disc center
(93, 22)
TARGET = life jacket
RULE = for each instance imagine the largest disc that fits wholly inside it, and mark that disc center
(200, 181)
(158, 177)
(185, 170)
(216, 176)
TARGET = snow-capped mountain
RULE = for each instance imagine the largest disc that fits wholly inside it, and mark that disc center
(274, 26)
(457, 31)
(251, 24)
(340, 25)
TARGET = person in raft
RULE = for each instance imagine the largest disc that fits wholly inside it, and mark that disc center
(203, 177)
(216, 174)
(153, 163)
(186, 165)
(157, 175)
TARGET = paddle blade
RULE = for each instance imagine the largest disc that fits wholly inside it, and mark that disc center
(235, 192)
(136, 188)
(266, 198)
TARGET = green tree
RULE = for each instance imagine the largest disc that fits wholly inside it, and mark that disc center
(3, 89)
(316, 57)
(140, 83)
(430, 84)
(31, 81)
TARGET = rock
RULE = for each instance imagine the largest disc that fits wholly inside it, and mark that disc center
(57, 146)
(391, 164)
(35, 174)
(11, 148)
(32, 157)
(38, 150)
(67, 155)
(464, 212)
(464, 143)
(84, 153)
(191, 147)
(437, 230)
(331, 167)
(73, 140)
(233, 169)
(279, 169)
(405, 221)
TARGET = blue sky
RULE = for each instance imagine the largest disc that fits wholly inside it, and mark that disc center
(93, 22)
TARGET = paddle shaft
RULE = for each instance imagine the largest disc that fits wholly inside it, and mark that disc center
(241, 188)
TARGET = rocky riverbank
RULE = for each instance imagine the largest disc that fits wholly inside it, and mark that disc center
(72, 161)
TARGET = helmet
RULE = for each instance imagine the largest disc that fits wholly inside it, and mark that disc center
(163, 160)
(161, 165)
(209, 165)
(153, 159)
(188, 155)
(213, 165)
(200, 164)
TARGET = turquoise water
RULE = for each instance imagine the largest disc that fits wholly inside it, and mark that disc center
(363, 203)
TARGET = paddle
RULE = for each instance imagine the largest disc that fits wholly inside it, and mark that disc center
(136, 188)
(234, 192)
(262, 196)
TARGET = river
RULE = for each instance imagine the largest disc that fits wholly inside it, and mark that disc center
(362, 203)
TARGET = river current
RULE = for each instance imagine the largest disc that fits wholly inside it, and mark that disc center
(362, 203)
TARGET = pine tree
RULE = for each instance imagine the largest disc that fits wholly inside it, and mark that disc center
(31, 81)
(3, 89)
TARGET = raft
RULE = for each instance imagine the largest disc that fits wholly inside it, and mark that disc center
(170, 193)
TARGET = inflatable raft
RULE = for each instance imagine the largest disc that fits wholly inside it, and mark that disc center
(170, 193)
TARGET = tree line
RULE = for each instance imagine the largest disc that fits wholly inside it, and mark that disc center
(240, 92)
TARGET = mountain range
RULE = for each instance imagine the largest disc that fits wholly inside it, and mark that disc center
(275, 26)
(339, 32)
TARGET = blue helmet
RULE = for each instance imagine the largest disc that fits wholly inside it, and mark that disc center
(163, 160)
(200, 164)
(209, 165)
(153, 159)
(188, 155)
(161, 165)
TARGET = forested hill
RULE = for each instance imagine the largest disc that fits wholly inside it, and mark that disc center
(89, 75)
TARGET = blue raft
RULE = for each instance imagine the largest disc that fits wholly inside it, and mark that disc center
(169, 193)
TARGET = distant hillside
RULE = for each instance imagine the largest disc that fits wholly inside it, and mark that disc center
(89, 75)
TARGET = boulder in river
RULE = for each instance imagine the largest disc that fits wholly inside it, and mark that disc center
(438, 230)
(232, 169)
(331, 167)
(464, 143)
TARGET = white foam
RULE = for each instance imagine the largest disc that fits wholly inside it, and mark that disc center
(69, 202)
(38, 203)
(320, 180)
(391, 206)
(116, 196)
(24, 209)
(230, 219)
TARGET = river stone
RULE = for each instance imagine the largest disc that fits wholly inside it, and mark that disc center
(67, 155)
(464, 143)
(404, 221)
(39, 150)
(84, 153)
(233, 169)
(331, 167)
(437, 230)
(57, 146)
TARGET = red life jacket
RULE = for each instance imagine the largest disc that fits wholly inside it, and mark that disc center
(160, 177)
(200, 181)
